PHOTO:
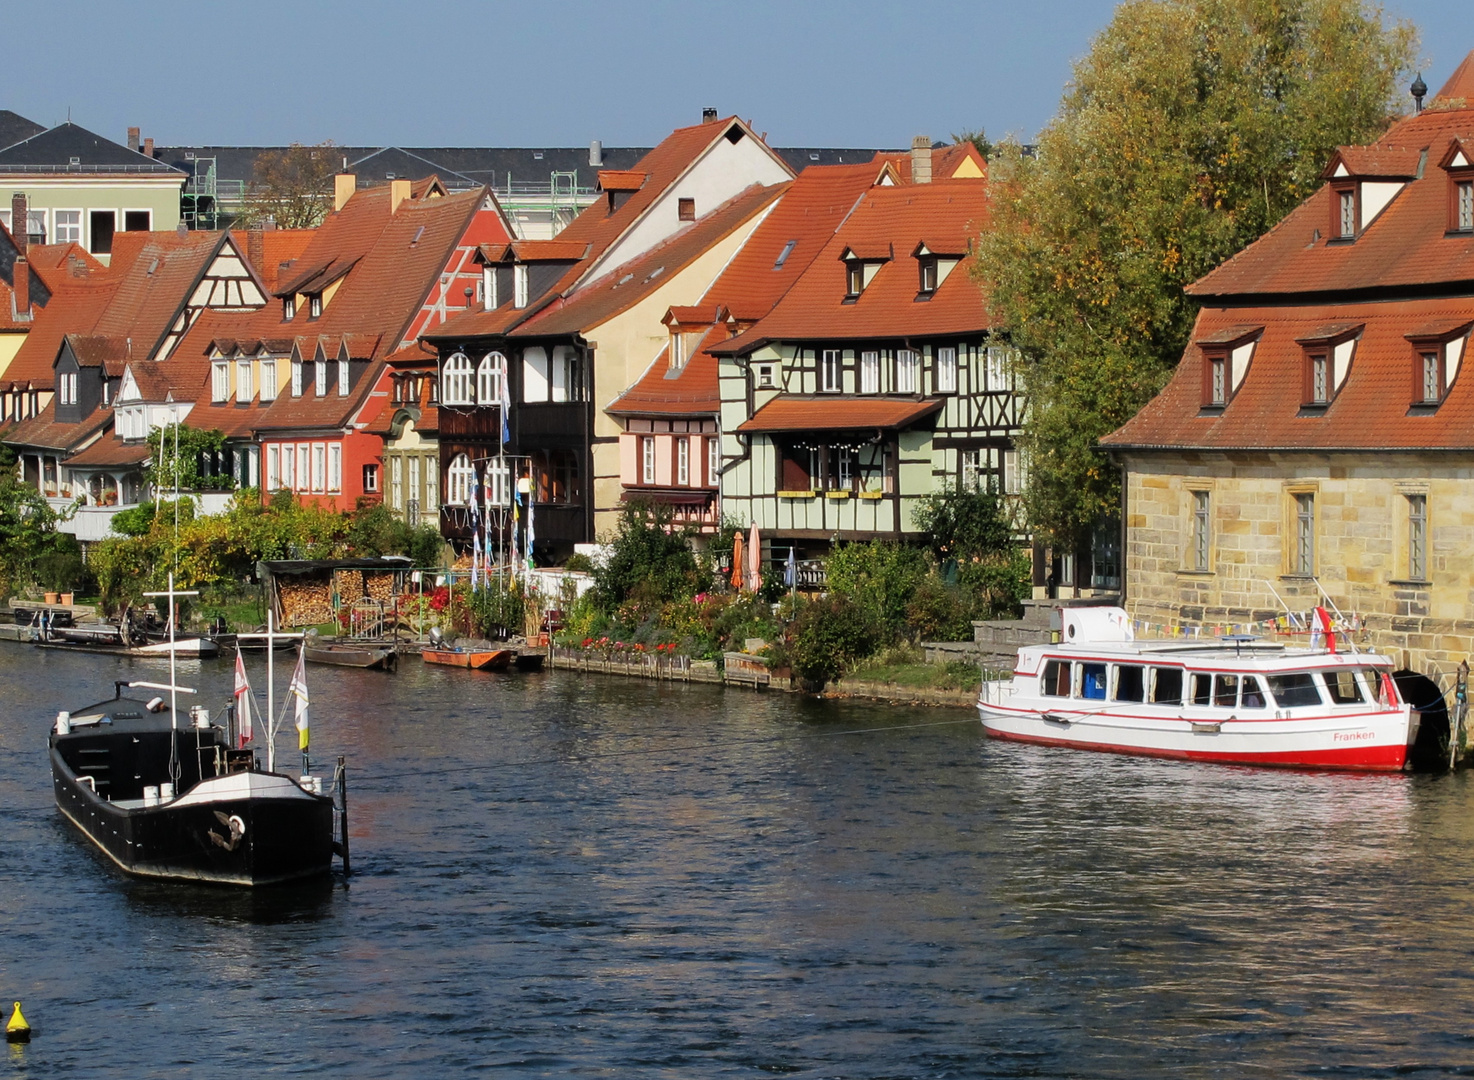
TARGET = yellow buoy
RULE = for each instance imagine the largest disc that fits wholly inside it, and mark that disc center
(17, 1031)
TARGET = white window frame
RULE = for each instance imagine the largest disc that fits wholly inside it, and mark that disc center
(831, 375)
(335, 467)
(459, 480)
(412, 484)
(296, 378)
(1464, 205)
(219, 381)
(432, 482)
(288, 308)
(342, 378)
(765, 380)
(489, 375)
(946, 374)
(1347, 203)
(536, 386)
(908, 366)
(320, 377)
(268, 380)
(455, 380)
(396, 482)
(289, 466)
(647, 459)
(314, 305)
(57, 226)
(319, 468)
(520, 286)
(273, 467)
(870, 372)
(243, 391)
(683, 461)
(713, 460)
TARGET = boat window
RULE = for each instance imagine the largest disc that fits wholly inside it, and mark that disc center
(1294, 689)
(1130, 683)
(1167, 686)
(1344, 687)
(1202, 688)
(1056, 681)
(1375, 689)
(1225, 691)
(1252, 695)
(1093, 681)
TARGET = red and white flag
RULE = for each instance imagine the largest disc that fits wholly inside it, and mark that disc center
(242, 697)
(1323, 619)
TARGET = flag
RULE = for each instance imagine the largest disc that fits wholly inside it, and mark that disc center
(298, 689)
(242, 697)
(790, 571)
(1323, 623)
(529, 530)
(475, 558)
(506, 404)
(737, 561)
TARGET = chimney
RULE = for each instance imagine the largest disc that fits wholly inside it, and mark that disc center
(21, 287)
(708, 116)
(344, 185)
(921, 160)
(19, 222)
(148, 147)
(255, 250)
(398, 192)
(133, 138)
(596, 153)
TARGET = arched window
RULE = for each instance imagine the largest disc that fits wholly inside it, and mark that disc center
(455, 381)
(459, 480)
(489, 378)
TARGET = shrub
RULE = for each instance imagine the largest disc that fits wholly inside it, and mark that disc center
(648, 560)
(938, 613)
(880, 577)
(828, 636)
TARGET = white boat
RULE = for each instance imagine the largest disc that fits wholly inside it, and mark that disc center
(1234, 700)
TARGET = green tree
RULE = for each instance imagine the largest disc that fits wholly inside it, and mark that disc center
(880, 578)
(963, 523)
(1191, 128)
(648, 557)
(186, 457)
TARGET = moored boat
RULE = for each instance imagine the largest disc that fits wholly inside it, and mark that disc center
(358, 654)
(476, 659)
(1236, 701)
(180, 803)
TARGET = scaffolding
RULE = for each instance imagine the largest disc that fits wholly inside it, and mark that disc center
(540, 210)
(206, 199)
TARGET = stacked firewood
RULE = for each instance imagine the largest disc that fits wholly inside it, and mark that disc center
(305, 603)
(380, 586)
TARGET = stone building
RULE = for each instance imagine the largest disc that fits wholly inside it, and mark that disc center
(1317, 439)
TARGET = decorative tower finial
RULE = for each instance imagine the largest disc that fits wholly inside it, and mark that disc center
(1419, 90)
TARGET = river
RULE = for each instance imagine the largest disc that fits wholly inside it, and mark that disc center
(575, 875)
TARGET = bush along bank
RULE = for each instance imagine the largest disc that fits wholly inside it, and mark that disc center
(658, 595)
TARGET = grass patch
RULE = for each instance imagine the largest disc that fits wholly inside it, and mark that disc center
(906, 666)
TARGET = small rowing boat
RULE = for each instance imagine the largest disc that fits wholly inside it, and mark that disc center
(475, 659)
(359, 655)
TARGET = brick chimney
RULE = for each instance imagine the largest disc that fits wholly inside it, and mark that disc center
(255, 250)
(148, 147)
(921, 160)
(133, 138)
(344, 185)
(398, 192)
(21, 273)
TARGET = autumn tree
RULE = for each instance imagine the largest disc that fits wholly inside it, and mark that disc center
(1190, 128)
(293, 186)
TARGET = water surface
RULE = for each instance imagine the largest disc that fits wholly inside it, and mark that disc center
(565, 875)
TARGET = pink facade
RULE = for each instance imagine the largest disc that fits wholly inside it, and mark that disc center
(671, 462)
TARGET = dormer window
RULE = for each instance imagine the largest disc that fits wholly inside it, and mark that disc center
(1463, 214)
(1227, 354)
(1458, 162)
(1438, 350)
(288, 308)
(1217, 382)
(314, 306)
(1328, 353)
(296, 378)
(928, 265)
(320, 377)
(677, 350)
(1344, 227)
(854, 279)
(765, 377)
(243, 392)
(519, 285)
(219, 381)
(342, 378)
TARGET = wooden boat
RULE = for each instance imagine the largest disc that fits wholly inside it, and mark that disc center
(476, 659)
(179, 803)
(358, 654)
(104, 637)
(1236, 701)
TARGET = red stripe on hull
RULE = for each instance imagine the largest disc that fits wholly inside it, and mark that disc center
(1353, 758)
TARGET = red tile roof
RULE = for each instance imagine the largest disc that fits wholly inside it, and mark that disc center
(948, 211)
(1460, 85)
(110, 451)
(690, 391)
(1374, 162)
(154, 286)
(536, 250)
(57, 265)
(73, 310)
(945, 161)
(621, 179)
(834, 413)
(1371, 410)
(1407, 244)
(98, 350)
(43, 431)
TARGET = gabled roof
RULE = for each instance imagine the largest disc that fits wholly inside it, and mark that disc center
(272, 252)
(1460, 85)
(14, 128)
(1405, 248)
(958, 161)
(52, 151)
(689, 390)
(397, 163)
(59, 264)
(155, 286)
(99, 351)
(43, 431)
(74, 310)
(386, 265)
(815, 308)
(534, 251)
(1380, 162)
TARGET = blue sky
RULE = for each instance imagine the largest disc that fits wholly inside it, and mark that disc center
(493, 72)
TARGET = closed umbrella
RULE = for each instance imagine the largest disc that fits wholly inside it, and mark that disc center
(737, 562)
(754, 560)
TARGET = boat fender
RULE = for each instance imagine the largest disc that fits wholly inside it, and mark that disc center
(17, 1031)
(155, 705)
(166, 792)
(63, 723)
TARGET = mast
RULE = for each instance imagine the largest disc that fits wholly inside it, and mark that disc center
(173, 667)
(271, 637)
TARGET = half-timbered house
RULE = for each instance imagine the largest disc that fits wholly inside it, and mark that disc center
(874, 381)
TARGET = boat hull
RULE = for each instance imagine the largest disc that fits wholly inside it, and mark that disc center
(489, 659)
(279, 835)
(382, 659)
(1368, 741)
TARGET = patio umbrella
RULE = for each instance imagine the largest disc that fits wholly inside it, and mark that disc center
(754, 560)
(737, 562)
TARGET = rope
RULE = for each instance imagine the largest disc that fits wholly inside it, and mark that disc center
(372, 777)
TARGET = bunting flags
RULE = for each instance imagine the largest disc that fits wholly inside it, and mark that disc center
(297, 689)
(1321, 626)
(242, 697)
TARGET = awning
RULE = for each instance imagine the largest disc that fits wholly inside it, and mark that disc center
(839, 414)
(669, 496)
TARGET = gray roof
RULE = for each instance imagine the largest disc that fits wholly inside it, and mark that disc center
(68, 148)
(14, 128)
